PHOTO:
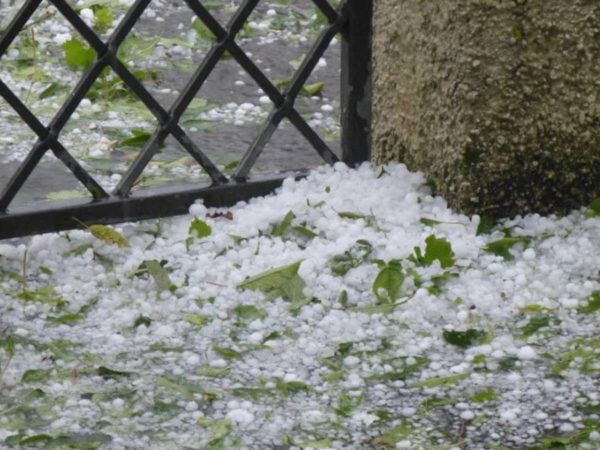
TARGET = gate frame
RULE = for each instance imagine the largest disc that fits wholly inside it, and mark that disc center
(353, 20)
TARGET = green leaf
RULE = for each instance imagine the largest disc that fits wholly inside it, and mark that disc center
(103, 19)
(227, 353)
(593, 209)
(219, 429)
(304, 231)
(351, 215)
(502, 246)
(142, 320)
(310, 90)
(36, 375)
(347, 403)
(249, 313)
(389, 280)
(593, 304)
(351, 258)
(77, 54)
(441, 381)
(534, 308)
(291, 387)
(160, 275)
(464, 339)
(8, 344)
(66, 319)
(35, 439)
(44, 295)
(213, 372)
(51, 90)
(108, 235)
(105, 372)
(387, 308)
(536, 323)
(402, 369)
(281, 228)
(196, 319)
(438, 249)
(429, 222)
(508, 363)
(391, 436)
(487, 395)
(281, 281)
(486, 225)
(180, 385)
(252, 393)
(204, 34)
(79, 441)
(199, 229)
(318, 444)
(137, 139)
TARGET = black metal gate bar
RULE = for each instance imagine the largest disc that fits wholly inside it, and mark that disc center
(352, 19)
(286, 109)
(150, 204)
(182, 102)
(45, 141)
(356, 82)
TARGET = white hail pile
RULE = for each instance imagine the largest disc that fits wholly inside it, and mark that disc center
(319, 373)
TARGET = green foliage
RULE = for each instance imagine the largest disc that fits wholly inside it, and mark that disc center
(388, 282)
(464, 339)
(77, 54)
(108, 373)
(35, 375)
(487, 395)
(584, 355)
(199, 229)
(502, 246)
(103, 18)
(351, 258)
(142, 320)
(218, 428)
(281, 282)
(52, 90)
(347, 403)
(196, 319)
(280, 229)
(44, 295)
(79, 441)
(202, 31)
(536, 323)
(249, 313)
(108, 235)
(137, 139)
(447, 380)
(73, 317)
(391, 436)
(485, 226)
(593, 209)
(508, 363)
(404, 367)
(592, 305)
(158, 272)
(227, 353)
(308, 90)
(435, 249)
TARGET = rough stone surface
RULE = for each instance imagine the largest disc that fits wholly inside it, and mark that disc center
(497, 101)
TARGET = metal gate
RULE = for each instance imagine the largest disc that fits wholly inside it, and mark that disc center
(351, 19)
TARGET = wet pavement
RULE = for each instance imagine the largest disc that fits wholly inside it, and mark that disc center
(276, 38)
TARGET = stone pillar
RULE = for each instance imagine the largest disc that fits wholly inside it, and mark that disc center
(497, 101)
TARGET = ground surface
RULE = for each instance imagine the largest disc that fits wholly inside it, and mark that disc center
(352, 310)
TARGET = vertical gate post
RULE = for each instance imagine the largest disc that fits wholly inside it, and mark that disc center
(356, 82)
